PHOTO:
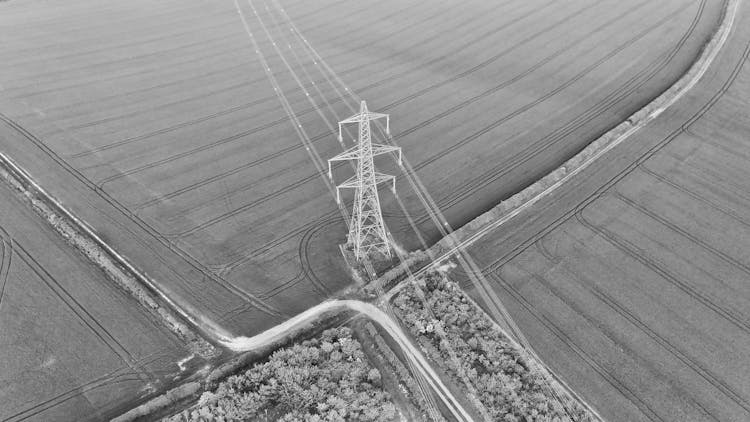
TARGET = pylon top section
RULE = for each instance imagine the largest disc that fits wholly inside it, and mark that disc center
(367, 231)
(365, 116)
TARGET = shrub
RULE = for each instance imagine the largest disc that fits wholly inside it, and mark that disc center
(500, 374)
(328, 380)
(413, 390)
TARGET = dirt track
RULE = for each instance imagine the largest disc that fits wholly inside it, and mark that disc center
(379, 317)
(631, 280)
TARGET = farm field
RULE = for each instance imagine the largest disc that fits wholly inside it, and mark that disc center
(72, 346)
(157, 124)
(632, 279)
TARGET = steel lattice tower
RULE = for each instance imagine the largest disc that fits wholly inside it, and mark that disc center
(367, 232)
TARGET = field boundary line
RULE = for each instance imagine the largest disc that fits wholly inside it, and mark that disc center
(474, 230)
(116, 267)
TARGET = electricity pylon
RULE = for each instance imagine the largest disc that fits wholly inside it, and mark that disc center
(367, 232)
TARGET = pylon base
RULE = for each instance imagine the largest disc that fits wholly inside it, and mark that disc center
(378, 263)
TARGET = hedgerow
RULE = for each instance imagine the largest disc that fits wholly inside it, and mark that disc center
(499, 373)
(323, 379)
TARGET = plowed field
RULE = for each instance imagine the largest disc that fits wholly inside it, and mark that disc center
(156, 123)
(632, 280)
(74, 347)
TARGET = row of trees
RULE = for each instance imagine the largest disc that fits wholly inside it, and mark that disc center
(323, 379)
(498, 372)
(405, 378)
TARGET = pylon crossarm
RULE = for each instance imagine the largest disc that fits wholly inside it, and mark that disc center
(353, 119)
(368, 115)
(365, 115)
(382, 178)
(357, 118)
(341, 127)
(374, 116)
(351, 183)
(350, 154)
(380, 149)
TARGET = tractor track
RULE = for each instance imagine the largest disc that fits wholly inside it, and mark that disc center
(541, 246)
(264, 248)
(86, 318)
(194, 58)
(731, 316)
(219, 218)
(630, 86)
(336, 100)
(587, 116)
(88, 28)
(6, 246)
(612, 337)
(565, 339)
(189, 259)
(52, 75)
(172, 82)
(56, 73)
(132, 139)
(720, 146)
(739, 190)
(59, 47)
(497, 264)
(502, 260)
(112, 378)
(684, 233)
(493, 267)
(159, 16)
(304, 252)
(697, 367)
(667, 181)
